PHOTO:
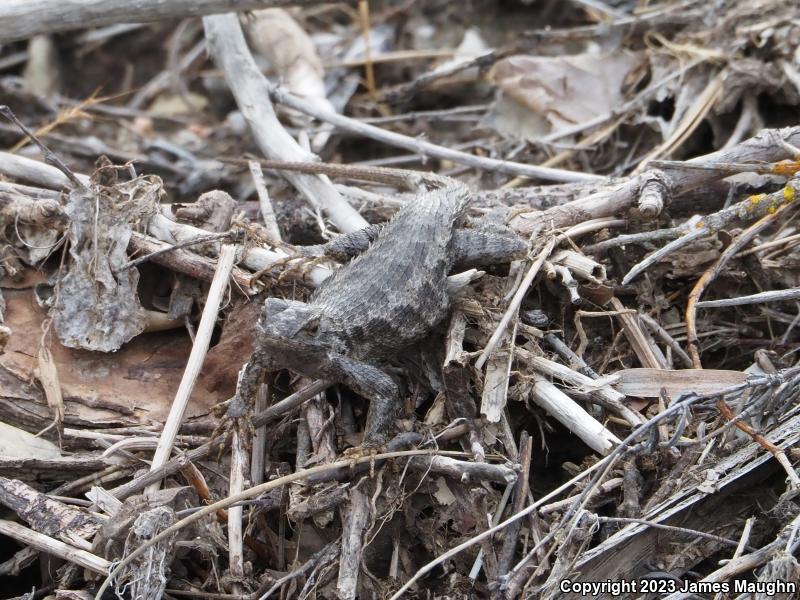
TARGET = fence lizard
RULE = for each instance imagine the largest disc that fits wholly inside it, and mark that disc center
(391, 295)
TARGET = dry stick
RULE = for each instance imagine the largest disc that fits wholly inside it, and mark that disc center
(227, 255)
(492, 530)
(605, 463)
(748, 562)
(779, 454)
(674, 245)
(657, 329)
(49, 157)
(246, 495)
(290, 402)
(20, 560)
(637, 238)
(773, 296)
(422, 147)
(498, 513)
(590, 141)
(369, 71)
(711, 273)
(255, 259)
(781, 168)
(42, 542)
(673, 528)
(740, 548)
(184, 244)
(589, 227)
(184, 261)
(257, 457)
(258, 453)
(605, 395)
(636, 337)
(174, 465)
(748, 209)
(513, 306)
(352, 544)
(605, 202)
(572, 416)
(251, 90)
(604, 488)
(159, 226)
(21, 19)
(521, 491)
(264, 202)
(235, 513)
(772, 244)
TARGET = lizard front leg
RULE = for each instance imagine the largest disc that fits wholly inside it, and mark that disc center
(379, 389)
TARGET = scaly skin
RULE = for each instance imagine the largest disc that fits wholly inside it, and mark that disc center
(386, 299)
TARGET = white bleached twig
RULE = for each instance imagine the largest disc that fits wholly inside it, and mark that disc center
(202, 340)
(251, 90)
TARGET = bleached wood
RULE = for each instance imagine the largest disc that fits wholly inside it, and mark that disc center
(425, 148)
(20, 19)
(34, 539)
(350, 555)
(648, 383)
(202, 340)
(235, 513)
(251, 90)
(264, 202)
(619, 196)
(564, 410)
(603, 393)
(771, 296)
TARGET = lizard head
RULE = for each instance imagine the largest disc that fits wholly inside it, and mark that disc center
(289, 320)
(289, 326)
(289, 332)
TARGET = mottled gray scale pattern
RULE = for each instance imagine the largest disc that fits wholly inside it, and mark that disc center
(396, 290)
(486, 245)
(390, 296)
(483, 243)
(351, 244)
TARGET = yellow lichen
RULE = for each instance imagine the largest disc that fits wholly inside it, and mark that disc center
(787, 168)
(788, 193)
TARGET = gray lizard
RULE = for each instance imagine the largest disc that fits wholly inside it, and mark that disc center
(391, 295)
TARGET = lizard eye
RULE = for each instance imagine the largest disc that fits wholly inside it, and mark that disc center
(311, 327)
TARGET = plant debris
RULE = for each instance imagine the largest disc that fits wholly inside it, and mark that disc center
(568, 367)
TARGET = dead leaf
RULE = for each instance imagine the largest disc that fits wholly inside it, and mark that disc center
(98, 388)
(17, 443)
(565, 90)
(48, 377)
(648, 382)
(98, 307)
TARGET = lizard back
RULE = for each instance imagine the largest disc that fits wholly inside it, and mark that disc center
(396, 291)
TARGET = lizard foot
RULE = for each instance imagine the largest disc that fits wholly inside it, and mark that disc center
(223, 432)
(222, 435)
(294, 265)
(362, 451)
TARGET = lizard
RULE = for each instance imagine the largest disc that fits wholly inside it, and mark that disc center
(394, 292)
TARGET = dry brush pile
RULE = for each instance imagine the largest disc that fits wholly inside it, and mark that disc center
(620, 404)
